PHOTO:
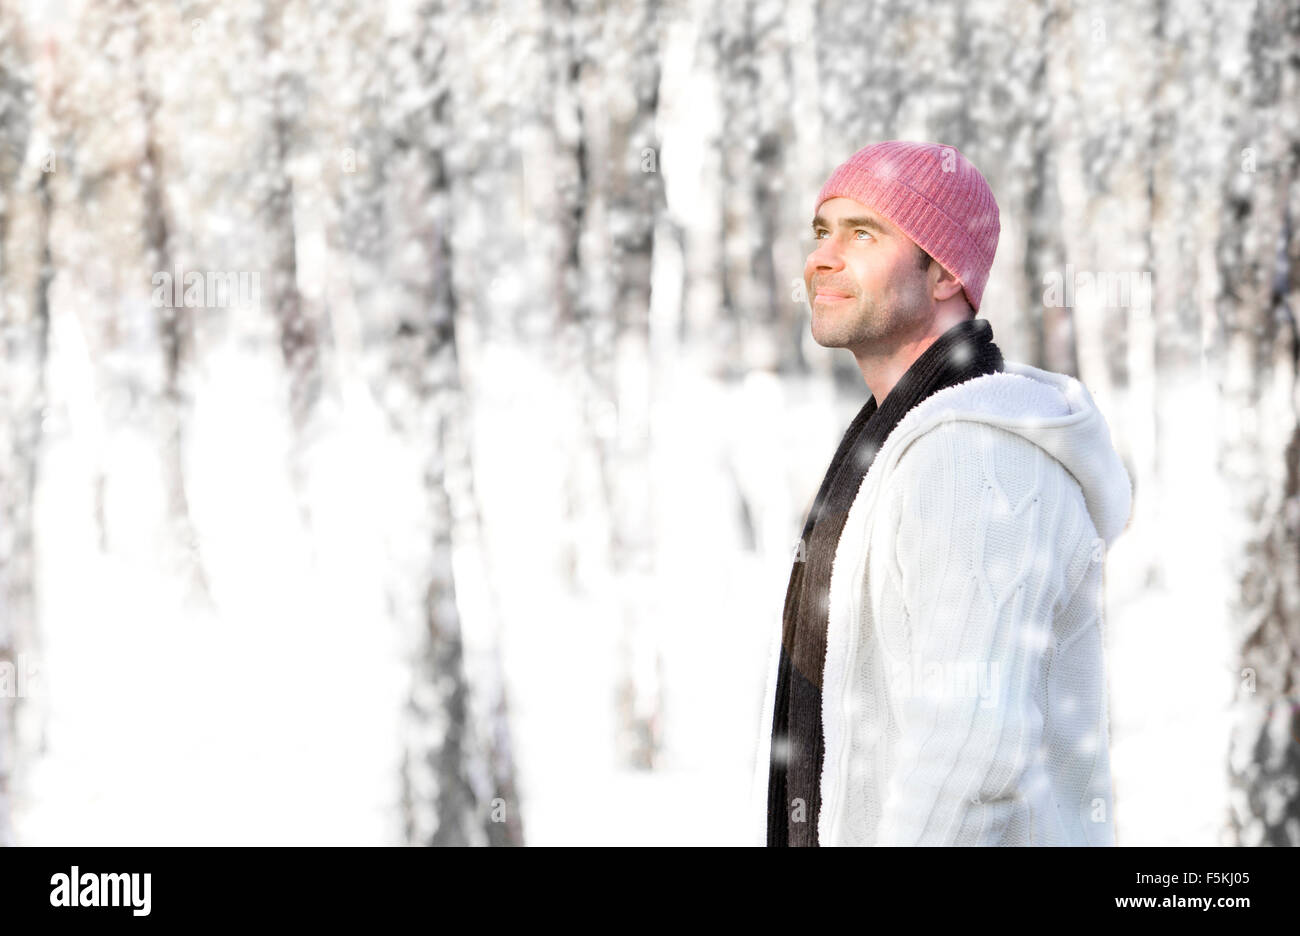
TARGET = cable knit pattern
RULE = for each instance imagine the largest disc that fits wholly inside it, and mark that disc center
(966, 645)
(965, 694)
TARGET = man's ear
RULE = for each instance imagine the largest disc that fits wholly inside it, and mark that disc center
(946, 286)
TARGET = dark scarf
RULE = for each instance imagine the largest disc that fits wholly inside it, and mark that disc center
(963, 352)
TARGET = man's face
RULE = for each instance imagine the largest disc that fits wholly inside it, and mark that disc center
(865, 284)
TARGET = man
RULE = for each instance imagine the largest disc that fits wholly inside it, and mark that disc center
(939, 673)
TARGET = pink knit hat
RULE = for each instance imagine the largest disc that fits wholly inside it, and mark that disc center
(935, 195)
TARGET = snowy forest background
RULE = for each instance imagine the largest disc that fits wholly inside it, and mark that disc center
(469, 526)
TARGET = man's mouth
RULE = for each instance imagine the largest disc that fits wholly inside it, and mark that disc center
(830, 295)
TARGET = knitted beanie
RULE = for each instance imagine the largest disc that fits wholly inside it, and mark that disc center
(935, 195)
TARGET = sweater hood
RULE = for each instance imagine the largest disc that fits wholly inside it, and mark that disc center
(1055, 412)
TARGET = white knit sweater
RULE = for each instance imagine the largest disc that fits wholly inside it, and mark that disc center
(964, 692)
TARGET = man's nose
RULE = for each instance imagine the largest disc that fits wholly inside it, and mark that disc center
(826, 256)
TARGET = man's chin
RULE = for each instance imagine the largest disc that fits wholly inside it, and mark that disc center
(827, 339)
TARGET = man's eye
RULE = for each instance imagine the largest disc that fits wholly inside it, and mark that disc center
(817, 235)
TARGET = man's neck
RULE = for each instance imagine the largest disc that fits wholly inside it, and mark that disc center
(882, 368)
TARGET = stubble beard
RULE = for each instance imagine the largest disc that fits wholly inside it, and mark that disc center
(871, 326)
(837, 327)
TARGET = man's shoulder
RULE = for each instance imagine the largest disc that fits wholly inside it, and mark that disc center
(965, 444)
(956, 459)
